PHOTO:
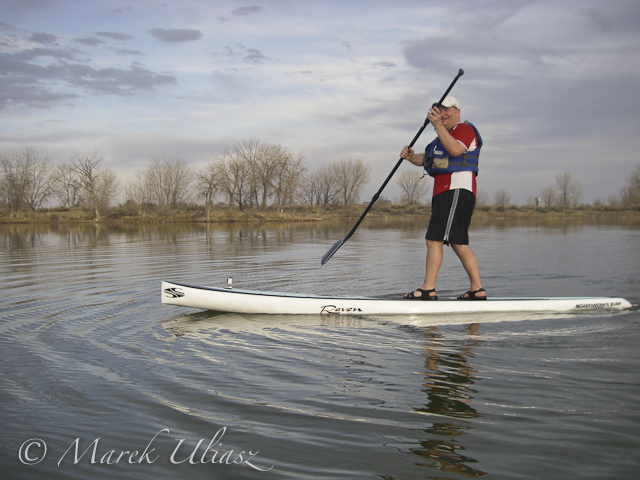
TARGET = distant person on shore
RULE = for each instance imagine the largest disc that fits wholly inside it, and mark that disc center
(452, 160)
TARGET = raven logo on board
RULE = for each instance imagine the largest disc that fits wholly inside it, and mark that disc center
(174, 292)
(334, 309)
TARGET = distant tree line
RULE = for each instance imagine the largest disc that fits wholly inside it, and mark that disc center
(249, 175)
(567, 193)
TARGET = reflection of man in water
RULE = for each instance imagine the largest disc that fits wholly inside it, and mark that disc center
(449, 377)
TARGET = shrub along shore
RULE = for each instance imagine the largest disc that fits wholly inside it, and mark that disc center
(198, 213)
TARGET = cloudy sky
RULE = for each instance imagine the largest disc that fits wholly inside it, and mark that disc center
(553, 86)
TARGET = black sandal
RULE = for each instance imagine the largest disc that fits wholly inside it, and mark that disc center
(471, 295)
(425, 295)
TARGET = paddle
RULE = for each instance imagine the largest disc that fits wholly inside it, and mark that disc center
(339, 243)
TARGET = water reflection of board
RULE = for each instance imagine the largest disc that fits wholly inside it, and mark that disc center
(248, 301)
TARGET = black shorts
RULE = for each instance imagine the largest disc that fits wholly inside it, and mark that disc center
(451, 213)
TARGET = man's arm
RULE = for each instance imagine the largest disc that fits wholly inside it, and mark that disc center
(454, 147)
(408, 154)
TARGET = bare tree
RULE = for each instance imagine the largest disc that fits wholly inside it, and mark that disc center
(274, 172)
(108, 185)
(257, 174)
(170, 180)
(99, 186)
(26, 180)
(86, 166)
(309, 192)
(261, 160)
(549, 196)
(351, 175)
(630, 194)
(167, 181)
(11, 183)
(325, 186)
(413, 188)
(569, 191)
(208, 183)
(139, 190)
(67, 187)
(482, 198)
(36, 169)
(502, 198)
(288, 175)
(235, 179)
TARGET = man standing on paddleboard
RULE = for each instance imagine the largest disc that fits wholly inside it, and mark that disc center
(452, 160)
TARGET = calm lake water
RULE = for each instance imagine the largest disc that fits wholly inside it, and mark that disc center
(98, 379)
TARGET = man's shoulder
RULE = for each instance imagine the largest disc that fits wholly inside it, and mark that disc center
(463, 131)
(463, 126)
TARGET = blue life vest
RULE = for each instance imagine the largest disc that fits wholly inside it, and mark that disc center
(437, 160)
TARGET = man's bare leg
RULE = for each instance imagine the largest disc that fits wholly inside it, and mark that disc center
(470, 264)
(433, 264)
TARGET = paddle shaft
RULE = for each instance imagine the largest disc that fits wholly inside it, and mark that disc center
(337, 245)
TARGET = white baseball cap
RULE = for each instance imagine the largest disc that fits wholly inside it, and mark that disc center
(450, 101)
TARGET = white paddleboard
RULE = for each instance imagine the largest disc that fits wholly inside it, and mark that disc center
(257, 302)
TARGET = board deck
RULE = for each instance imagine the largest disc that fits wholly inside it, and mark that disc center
(257, 302)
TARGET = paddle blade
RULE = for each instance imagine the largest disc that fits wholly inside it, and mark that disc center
(331, 251)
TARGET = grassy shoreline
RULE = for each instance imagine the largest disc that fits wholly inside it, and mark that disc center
(197, 213)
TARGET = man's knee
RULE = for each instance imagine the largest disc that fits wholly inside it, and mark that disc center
(458, 249)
